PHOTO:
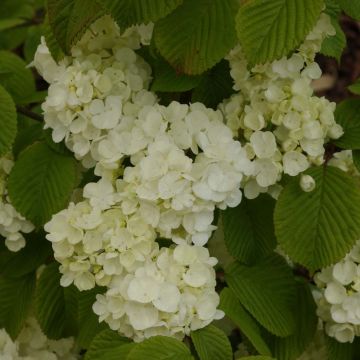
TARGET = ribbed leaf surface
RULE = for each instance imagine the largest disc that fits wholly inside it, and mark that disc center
(69, 19)
(247, 325)
(131, 12)
(270, 29)
(56, 306)
(108, 345)
(160, 348)
(249, 230)
(15, 302)
(347, 114)
(197, 35)
(41, 182)
(8, 121)
(267, 290)
(20, 82)
(211, 343)
(318, 228)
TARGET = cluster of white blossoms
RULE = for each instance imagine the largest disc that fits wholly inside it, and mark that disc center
(163, 169)
(170, 294)
(103, 82)
(276, 114)
(338, 298)
(12, 224)
(32, 344)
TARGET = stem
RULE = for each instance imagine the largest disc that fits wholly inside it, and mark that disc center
(29, 113)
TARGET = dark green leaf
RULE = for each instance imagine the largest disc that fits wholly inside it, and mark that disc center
(69, 19)
(203, 35)
(347, 114)
(21, 82)
(167, 80)
(267, 290)
(249, 229)
(8, 121)
(247, 325)
(41, 182)
(211, 343)
(160, 348)
(107, 345)
(337, 351)
(215, 86)
(304, 308)
(28, 259)
(89, 325)
(15, 302)
(56, 306)
(318, 228)
(131, 12)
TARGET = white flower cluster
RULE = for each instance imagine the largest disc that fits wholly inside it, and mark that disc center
(275, 112)
(103, 82)
(12, 224)
(163, 169)
(170, 294)
(32, 344)
(339, 297)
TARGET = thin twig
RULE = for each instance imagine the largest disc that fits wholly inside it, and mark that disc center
(29, 113)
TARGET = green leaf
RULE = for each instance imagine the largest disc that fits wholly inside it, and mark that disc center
(318, 228)
(22, 9)
(348, 116)
(337, 351)
(56, 306)
(41, 182)
(304, 308)
(69, 19)
(355, 88)
(249, 230)
(26, 137)
(211, 343)
(247, 325)
(334, 46)
(15, 302)
(89, 325)
(9, 23)
(356, 159)
(8, 122)
(167, 80)
(32, 41)
(257, 357)
(267, 290)
(203, 35)
(131, 12)
(21, 82)
(215, 86)
(160, 348)
(28, 259)
(351, 7)
(106, 344)
(51, 42)
(269, 30)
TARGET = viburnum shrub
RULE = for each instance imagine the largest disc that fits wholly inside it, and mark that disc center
(171, 186)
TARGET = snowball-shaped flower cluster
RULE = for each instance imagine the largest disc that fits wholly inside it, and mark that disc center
(12, 224)
(338, 300)
(91, 91)
(32, 344)
(276, 114)
(171, 294)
